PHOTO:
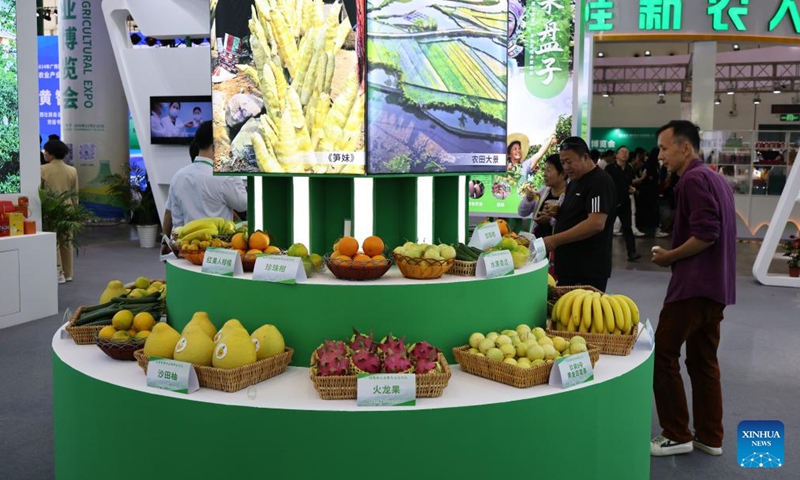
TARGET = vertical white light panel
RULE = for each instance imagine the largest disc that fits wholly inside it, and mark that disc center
(302, 225)
(258, 200)
(462, 209)
(425, 210)
(362, 200)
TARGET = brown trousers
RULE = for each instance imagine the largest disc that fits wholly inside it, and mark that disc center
(695, 321)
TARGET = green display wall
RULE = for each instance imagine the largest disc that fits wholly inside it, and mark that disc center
(600, 432)
(445, 314)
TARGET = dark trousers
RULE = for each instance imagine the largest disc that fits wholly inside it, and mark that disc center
(695, 321)
(624, 215)
(598, 283)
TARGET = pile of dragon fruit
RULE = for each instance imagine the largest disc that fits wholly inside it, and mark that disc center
(390, 355)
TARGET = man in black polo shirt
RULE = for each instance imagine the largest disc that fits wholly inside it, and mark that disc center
(623, 174)
(582, 235)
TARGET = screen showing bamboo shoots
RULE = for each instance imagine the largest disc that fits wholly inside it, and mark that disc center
(288, 87)
(436, 86)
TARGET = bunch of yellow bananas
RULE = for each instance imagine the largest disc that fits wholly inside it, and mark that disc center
(592, 312)
(204, 229)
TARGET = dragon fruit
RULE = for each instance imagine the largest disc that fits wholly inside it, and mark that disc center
(423, 366)
(390, 344)
(423, 350)
(330, 363)
(360, 341)
(367, 361)
(339, 348)
(397, 362)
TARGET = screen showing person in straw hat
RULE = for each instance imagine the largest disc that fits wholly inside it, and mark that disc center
(518, 145)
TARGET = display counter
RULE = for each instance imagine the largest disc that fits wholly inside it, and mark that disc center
(444, 311)
(108, 423)
(30, 281)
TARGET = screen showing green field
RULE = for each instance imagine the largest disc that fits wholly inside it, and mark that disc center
(9, 104)
(436, 86)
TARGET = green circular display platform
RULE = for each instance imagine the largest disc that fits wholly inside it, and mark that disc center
(444, 312)
(108, 424)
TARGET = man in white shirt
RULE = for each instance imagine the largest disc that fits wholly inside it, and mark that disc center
(196, 193)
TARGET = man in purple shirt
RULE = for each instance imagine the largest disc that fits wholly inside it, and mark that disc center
(703, 261)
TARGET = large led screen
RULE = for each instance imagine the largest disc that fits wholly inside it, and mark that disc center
(288, 93)
(9, 105)
(436, 86)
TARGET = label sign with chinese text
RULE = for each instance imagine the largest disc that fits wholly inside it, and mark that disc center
(279, 269)
(573, 370)
(485, 236)
(222, 261)
(649, 342)
(495, 264)
(386, 390)
(775, 18)
(539, 250)
(172, 375)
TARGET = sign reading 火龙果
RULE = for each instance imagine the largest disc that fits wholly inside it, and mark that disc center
(771, 17)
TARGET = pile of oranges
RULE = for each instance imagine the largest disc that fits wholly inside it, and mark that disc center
(257, 242)
(346, 252)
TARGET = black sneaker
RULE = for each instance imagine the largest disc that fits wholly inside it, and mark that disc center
(662, 446)
(634, 256)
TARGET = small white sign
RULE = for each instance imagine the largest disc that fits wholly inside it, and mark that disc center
(279, 269)
(573, 370)
(222, 261)
(495, 264)
(172, 375)
(539, 251)
(646, 341)
(486, 236)
(386, 390)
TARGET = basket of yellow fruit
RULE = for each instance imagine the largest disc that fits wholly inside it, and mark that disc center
(126, 334)
(193, 253)
(347, 262)
(420, 261)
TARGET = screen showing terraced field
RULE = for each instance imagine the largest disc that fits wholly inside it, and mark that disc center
(436, 86)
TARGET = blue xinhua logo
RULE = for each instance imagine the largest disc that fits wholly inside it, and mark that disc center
(760, 444)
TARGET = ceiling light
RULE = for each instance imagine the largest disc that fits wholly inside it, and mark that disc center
(647, 53)
(661, 100)
(730, 90)
(605, 94)
(756, 99)
(735, 47)
(600, 54)
(778, 89)
(717, 100)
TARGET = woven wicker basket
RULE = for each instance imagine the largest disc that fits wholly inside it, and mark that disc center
(233, 379)
(463, 269)
(510, 374)
(357, 270)
(196, 257)
(344, 387)
(119, 350)
(609, 344)
(82, 335)
(422, 268)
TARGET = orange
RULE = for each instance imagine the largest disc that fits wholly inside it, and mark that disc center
(340, 256)
(239, 241)
(254, 251)
(241, 251)
(259, 240)
(348, 246)
(360, 257)
(272, 249)
(503, 227)
(373, 246)
(378, 258)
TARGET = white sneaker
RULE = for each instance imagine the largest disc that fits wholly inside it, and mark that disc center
(617, 233)
(662, 446)
(69, 279)
(660, 234)
(61, 279)
(715, 451)
(637, 233)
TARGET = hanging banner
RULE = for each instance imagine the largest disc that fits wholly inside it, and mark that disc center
(9, 103)
(288, 87)
(540, 92)
(613, 138)
(94, 121)
(49, 88)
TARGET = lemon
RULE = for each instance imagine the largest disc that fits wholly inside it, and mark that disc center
(121, 336)
(143, 321)
(107, 332)
(122, 320)
(142, 336)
